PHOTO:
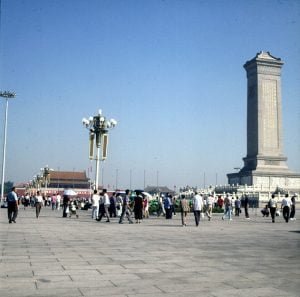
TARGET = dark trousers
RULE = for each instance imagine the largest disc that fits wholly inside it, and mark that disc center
(286, 213)
(103, 209)
(12, 211)
(273, 212)
(174, 210)
(169, 213)
(197, 217)
(38, 207)
(112, 211)
(65, 205)
(293, 211)
(246, 212)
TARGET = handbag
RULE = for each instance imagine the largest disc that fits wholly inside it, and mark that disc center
(67, 209)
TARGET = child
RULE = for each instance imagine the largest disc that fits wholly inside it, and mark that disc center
(73, 209)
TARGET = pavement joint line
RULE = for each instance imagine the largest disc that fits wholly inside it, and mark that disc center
(157, 287)
(80, 292)
(115, 285)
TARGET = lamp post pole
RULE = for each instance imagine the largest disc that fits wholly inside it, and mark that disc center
(98, 127)
(6, 95)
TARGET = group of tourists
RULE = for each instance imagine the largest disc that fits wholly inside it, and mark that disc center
(288, 207)
(124, 206)
(105, 206)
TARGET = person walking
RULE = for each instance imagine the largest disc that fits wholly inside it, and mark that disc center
(101, 210)
(168, 206)
(126, 209)
(246, 207)
(38, 203)
(138, 207)
(285, 206)
(119, 201)
(106, 203)
(237, 206)
(12, 205)
(197, 207)
(273, 206)
(220, 202)
(53, 201)
(58, 199)
(66, 209)
(113, 207)
(174, 205)
(146, 207)
(293, 208)
(209, 205)
(95, 204)
(227, 205)
(160, 205)
(184, 208)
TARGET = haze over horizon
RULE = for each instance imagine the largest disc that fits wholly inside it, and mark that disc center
(170, 72)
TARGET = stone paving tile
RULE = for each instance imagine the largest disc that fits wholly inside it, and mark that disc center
(68, 292)
(156, 258)
(73, 284)
(179, 294)
(101, 277)
(90, 291)
(257, 292)
(44, 272)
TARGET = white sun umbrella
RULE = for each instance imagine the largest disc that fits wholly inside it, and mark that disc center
(149, 196)
(70, 192)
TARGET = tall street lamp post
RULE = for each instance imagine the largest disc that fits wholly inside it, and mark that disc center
(6, 95)
(98, 127)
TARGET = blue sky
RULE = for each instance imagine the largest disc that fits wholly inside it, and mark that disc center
(170, 72)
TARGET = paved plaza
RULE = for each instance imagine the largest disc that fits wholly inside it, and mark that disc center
(55, 256)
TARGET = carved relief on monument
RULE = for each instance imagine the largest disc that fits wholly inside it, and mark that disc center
(270, 114)
(272, 162)
(268, 70)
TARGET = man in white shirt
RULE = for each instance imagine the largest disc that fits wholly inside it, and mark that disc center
(197, 205)
(285, 206)
(38, 203)
(12, 206)
(209, 206)
(58, 199)
(106, 204)
(95, 205)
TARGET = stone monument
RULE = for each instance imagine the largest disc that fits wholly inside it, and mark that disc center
(265, 165)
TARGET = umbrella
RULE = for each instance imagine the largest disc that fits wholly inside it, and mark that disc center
(149, 196)
(70, 192)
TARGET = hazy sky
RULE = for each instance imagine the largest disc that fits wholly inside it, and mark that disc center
(170, 72)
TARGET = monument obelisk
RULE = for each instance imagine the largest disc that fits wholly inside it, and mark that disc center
(265, 165)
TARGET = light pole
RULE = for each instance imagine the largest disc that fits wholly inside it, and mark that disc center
(117, 178)
(98, 127)
(6, 95)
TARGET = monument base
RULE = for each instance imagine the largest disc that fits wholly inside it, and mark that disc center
(267, 181)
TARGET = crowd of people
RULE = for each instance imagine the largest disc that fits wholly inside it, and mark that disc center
(136, 206)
